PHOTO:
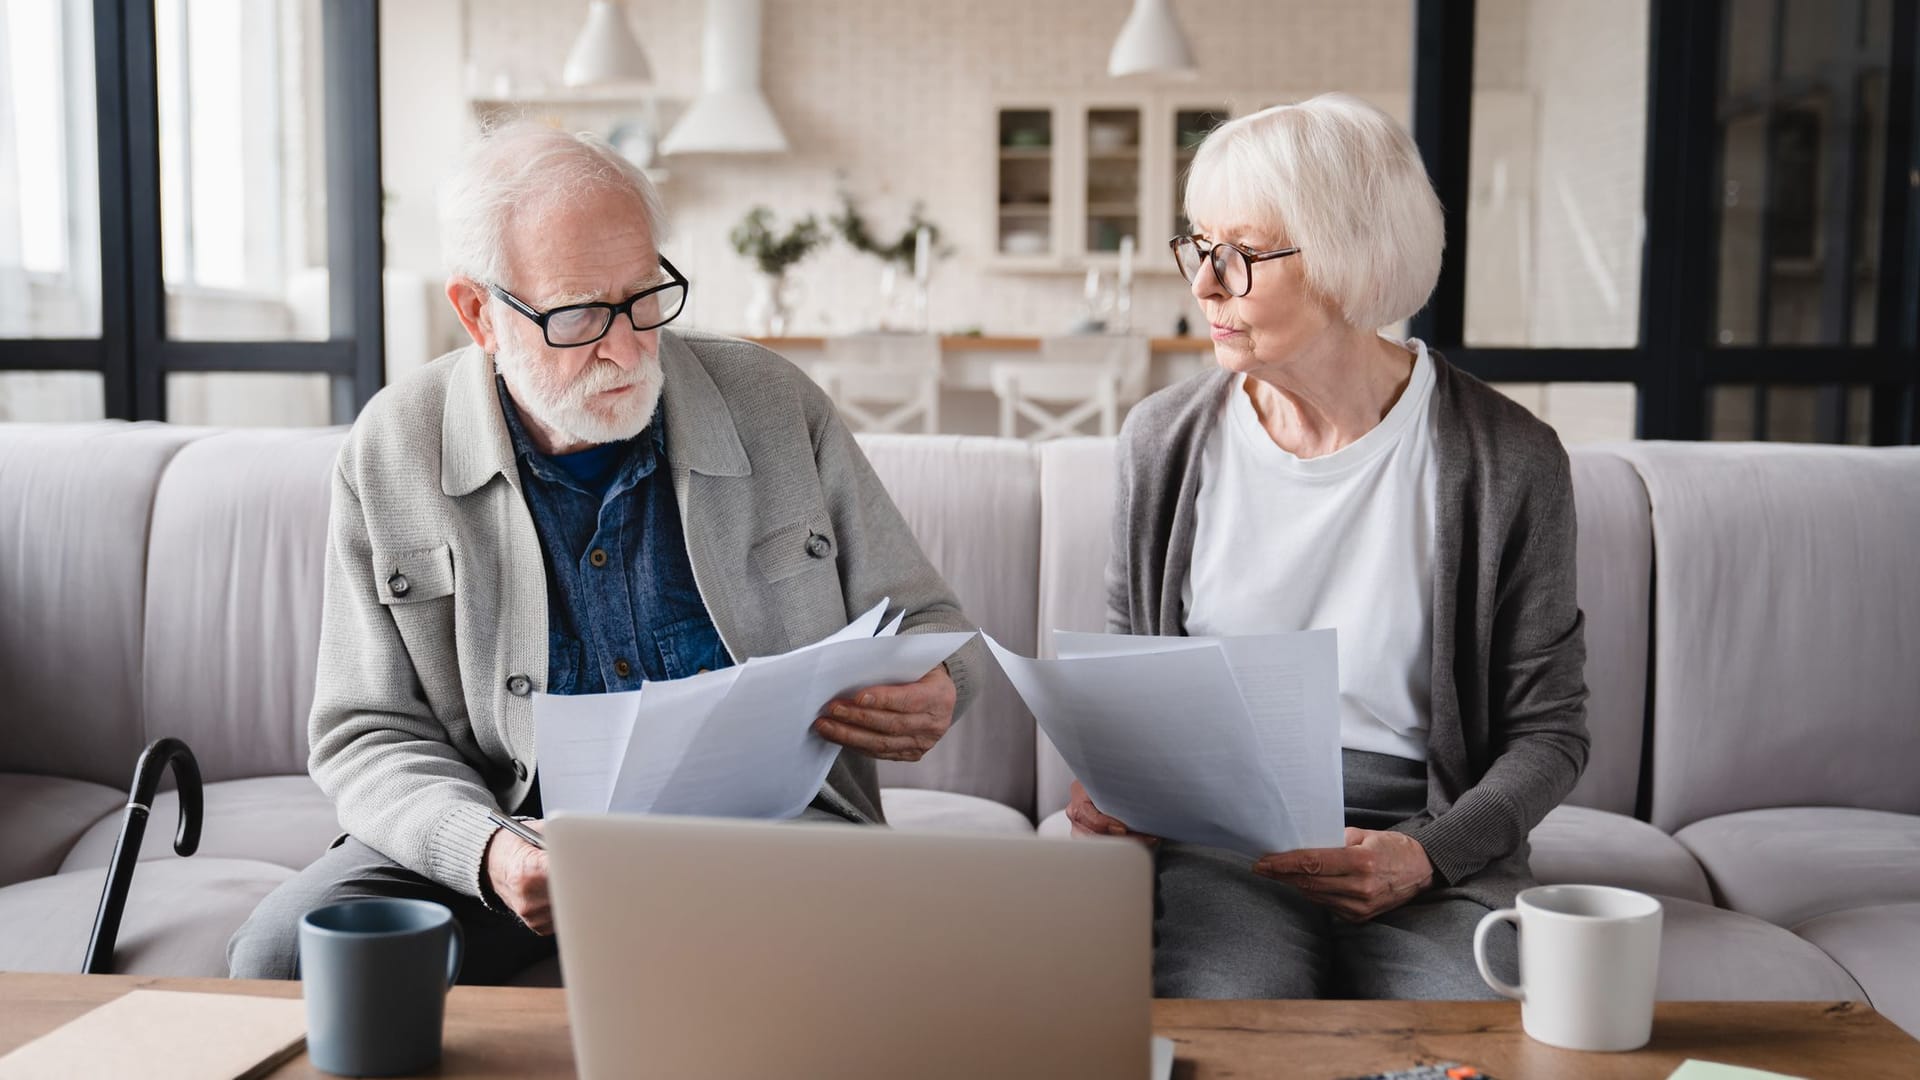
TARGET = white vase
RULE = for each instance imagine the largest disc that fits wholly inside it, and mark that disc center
(770, 308)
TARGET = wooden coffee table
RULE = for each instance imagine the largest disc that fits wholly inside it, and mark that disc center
(520, 1033)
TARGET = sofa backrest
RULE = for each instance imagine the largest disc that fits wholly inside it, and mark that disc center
(1614, 582)
(235, 577)
(974, 505)
(74, 505)
(1787, 627)
(1076, 492)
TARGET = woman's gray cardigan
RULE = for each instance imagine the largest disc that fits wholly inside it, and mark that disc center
(1507, 732)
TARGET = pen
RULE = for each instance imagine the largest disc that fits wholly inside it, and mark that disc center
(518, 830)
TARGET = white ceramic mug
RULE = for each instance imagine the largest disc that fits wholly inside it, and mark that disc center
(1589, 961)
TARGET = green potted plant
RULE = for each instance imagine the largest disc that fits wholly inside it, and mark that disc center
(774, 252)
(913, 251)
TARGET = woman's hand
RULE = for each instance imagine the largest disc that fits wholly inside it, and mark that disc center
(1089, 821)
(1375, 873)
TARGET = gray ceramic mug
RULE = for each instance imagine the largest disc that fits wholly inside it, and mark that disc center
(375, 974)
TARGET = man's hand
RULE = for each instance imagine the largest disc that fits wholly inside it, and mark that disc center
(1375, 873)
(1089, 821)
(893, 723)
(518, 872)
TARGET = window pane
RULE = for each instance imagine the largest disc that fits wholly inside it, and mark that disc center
(1793, 241)
(52, 396)
(1743, 205)
(49, 173)
(1867, 207)
(242, 170)
(1559, 134)
(249, 399)
(1580, 412)
(1832, 413)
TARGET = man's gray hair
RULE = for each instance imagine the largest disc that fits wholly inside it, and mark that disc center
(521, 166)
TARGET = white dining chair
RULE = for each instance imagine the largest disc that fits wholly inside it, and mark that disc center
(882, 382)
(1078, 378)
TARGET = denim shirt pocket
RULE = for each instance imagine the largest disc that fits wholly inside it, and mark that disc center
(690, 646)
(565, 658)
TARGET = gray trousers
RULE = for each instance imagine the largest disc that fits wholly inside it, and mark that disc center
(1222, 931)
(498, 945)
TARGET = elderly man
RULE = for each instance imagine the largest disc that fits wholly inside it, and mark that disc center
(579, 502)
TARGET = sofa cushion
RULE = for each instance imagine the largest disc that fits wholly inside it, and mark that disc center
(946, 811)
(42, 817)
(179, 915)
(973, 505)
(283, 820)
(1794, 863)
(1880, 947)
(1581, 845)
(234, 594)
(1614, 572)
(1055, 825)
(1786, 599)
(1712, 954)
(1076, 511)
(74, 504)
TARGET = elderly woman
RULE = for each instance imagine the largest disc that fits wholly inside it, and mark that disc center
(1328, 476)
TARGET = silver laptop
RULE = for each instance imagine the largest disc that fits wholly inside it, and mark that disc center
(699, 948)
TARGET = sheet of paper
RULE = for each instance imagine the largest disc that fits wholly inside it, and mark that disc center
(1290, 683)
(580, 740)
(583, 739)
(757, 755)
(670, 714)
(167, 1035)
(1708, 1070)
(1162, 741)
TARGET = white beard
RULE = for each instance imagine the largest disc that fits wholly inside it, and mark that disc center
(570, 409)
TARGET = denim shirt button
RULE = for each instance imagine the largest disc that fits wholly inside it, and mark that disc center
(519, 685)
(819, 546)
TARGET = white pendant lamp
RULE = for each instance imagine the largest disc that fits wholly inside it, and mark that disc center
(606, 50)
(730, 116)
(1151, 43)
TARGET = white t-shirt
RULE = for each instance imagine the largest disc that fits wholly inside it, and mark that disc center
(1344, 540)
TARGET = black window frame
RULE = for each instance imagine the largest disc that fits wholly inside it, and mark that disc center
(1674, 364)
(133, 353)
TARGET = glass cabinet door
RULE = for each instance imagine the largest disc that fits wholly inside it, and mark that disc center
(1190, 129)
(1112, 177)
(1025, 194)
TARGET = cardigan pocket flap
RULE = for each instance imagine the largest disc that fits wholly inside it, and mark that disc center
(792, 549)
(415, 576)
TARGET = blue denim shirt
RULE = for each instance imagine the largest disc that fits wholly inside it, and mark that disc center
(622, 606)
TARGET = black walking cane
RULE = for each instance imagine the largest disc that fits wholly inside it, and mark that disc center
(126, 851)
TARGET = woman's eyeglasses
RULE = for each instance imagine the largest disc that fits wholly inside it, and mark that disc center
(1232, 264)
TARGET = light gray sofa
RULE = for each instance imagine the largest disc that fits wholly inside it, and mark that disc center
(1753, 631)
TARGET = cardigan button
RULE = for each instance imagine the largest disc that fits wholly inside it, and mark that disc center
(397, 584)
(519, 769)
(519, 685)
(819, 546)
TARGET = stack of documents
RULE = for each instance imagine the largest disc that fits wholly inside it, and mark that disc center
(738, 742)
(1227, 742)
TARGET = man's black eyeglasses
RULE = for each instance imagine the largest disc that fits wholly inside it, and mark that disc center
(583, 324)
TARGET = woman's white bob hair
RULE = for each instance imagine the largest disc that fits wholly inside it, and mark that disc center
(1344, 183)
(528, 167)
